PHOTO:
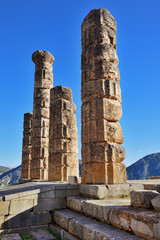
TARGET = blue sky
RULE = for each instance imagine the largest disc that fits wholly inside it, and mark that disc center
(55, 26)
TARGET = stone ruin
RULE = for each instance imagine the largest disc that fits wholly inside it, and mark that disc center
(102, 153)
(53, 148)
(50, 140)
(63, 137)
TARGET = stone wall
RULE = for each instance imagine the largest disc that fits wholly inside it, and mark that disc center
(102, 153)
(28, 206)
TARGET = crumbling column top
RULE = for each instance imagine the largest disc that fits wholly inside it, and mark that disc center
(99, 16)
(42, 56)
(61, 92)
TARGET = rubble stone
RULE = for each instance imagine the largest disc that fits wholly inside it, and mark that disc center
(142, 198)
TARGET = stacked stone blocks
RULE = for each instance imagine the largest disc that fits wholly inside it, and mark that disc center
(43, 82)
(63, 139)
(27, 145)
(54, 114)
(102, 153)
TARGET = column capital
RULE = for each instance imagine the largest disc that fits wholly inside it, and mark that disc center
(42, 56)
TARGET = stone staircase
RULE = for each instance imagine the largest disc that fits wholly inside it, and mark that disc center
(105, 219)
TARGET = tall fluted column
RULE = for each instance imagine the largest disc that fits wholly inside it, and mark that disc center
(43, 82)
(102, 153)
(27, 145)
(63, 139)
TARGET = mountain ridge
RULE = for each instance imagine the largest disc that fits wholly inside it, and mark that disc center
(145, 167)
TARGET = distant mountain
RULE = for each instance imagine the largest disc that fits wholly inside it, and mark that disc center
(145, 167)
(10, 177)
(4, 169)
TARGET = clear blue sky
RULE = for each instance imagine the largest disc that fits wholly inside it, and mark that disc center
(30, 25)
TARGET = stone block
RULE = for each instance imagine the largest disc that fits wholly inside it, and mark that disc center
(141, 229)
(40, 133)
(50, 194)
(40, 122)
(100, 69)
(72, 180)
(101, 130)
(118, 190)
(61, 92)
(99, 17)
(57, 230)
(64, 159)
(39, 218)
(41, 112)
(20, 206)
(61, 173)
(76, 203)
(41, 234)
(43, 74)
(98, 34)
(156, 230)
(102, 153)
(156, 203)
(99, 51)
(4, 208)
(62, 217)
(113, 219)
(62, 107)
(101, 108)
(43, 84)
(103, 173)
(40, 142)
(93, 211)
(1, 222)
(142, 198)
(39, 153)
(63, 145)
(63, 131)
(94, 191)
(101, 88)
(16, 221)
(50, 204)
(11, 236)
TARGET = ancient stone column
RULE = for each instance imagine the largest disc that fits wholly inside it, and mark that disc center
(63, 140)
(102, 153)
(43, 82)
(27, 145)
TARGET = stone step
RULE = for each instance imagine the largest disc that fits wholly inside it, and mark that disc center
(88, 229)
(58, 231)
(41, 234)
(118, 213)
(11, 236)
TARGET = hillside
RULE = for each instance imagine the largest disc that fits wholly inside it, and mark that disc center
(10, 177)
(145, 167)
(4, 169)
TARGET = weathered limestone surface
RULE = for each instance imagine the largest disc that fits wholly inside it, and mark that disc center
(85, 228)
(27, 206)
(27, 145)
(156, 203)
(143, 198)
(43, 82)
(102, 153)
(63, 139)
